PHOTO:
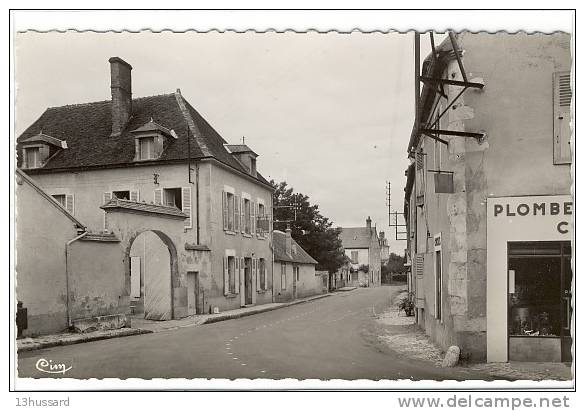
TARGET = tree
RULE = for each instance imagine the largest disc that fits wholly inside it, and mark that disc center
(313, 231)
(394, 265)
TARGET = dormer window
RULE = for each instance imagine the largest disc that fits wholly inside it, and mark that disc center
(38, 149)
(147, 151)
(32, 157)
(151, 140)
(245, 156)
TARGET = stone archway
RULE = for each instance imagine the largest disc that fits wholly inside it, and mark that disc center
(152, 269)
(128, 220)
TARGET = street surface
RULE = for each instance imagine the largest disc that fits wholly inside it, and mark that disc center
(334, 337)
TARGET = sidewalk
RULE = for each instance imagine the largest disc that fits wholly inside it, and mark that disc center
(194, 320)
(54, 340)
(402, 335)
(142, 326)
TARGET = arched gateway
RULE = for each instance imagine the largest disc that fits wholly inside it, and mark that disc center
(148, 234)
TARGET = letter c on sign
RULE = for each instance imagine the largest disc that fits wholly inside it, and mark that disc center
(562, 227)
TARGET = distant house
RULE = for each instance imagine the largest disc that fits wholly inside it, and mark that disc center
(362, 246)
(64, 275)
(294, 269)
(191, 211)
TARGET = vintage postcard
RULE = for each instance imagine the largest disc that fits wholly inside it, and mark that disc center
(377, 206)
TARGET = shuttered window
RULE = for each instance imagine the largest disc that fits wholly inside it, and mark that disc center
(134, 195)
(420, 178)
(419, 266)
(262, 271)
(283, 276)
(562, 117)
(236, 213)
(186, 206)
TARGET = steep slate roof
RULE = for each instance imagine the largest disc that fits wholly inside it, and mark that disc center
(357, 237)
(87, 129)
(297, 255)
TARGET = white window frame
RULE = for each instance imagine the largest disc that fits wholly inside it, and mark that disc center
(283, 276)
(151, 151)
(37, 149)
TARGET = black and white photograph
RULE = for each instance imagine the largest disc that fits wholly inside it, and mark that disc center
(293, 205)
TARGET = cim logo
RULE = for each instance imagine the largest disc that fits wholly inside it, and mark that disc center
(50, 367)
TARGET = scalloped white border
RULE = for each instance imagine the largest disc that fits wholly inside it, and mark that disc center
(277, 21)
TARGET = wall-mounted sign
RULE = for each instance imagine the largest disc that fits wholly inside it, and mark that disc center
(524, 211)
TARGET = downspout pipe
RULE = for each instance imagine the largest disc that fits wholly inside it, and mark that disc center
(67, 274)
(197, 201)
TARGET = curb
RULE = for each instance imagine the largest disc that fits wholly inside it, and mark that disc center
(138, 331)
(212, 320)
(89, 338)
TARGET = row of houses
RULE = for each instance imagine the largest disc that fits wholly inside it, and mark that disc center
(138, 206)
(488, 201)
(366, 251)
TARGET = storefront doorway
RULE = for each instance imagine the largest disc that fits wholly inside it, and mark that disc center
(539, 301)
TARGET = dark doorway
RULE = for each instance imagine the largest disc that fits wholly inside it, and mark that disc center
(193, 305)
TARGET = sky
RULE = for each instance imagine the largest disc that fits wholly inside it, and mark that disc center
(330, 114)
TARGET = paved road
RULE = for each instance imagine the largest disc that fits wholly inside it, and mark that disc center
(333, 337)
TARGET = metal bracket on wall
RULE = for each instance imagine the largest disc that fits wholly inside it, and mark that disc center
(437, 84)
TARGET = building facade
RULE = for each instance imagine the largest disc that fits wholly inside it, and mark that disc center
(362, 247)
(294, 270)
(72, 281)
(489, 219)
(191, 211)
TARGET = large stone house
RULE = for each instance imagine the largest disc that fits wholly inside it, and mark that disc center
(191, 211)
(488, 197)
(362, 247)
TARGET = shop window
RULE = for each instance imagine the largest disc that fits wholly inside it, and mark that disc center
(539, 301)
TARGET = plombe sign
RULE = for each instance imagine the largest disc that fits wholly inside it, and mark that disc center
(556, 209)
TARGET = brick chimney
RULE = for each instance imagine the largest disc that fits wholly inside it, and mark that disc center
(288, 240)
(121, 86)
(382, 235)
(369, 223)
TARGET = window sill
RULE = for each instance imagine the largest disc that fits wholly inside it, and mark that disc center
(231, 295)
(247, 235)
(261, 291)
(228, 232)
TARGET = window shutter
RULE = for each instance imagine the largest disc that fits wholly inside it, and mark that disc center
(134, 195)
(107, 198)
(419, 268)
(226, 277)
(243, 215)
(70, 204)
(158, 196)
(562, 117)
(224, 207)
(420, 178)
(186, 203)
(252, 217)
(237, 213)
(265, 277)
